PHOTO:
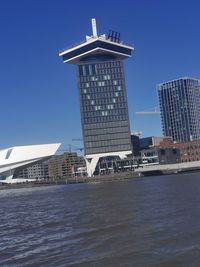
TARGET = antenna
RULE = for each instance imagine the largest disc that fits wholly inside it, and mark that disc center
(94, 28)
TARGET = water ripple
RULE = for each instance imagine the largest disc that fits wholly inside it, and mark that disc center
(150, 221)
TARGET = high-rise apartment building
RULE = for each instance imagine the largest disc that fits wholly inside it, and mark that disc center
(102, 93)
(180, 108)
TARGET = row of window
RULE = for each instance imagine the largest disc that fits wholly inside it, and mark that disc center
(92, 69)
(104, 137)
(94, 114)
(100, 90)
(115, 73)
(104, 118)
(101, 77)
(101, 143)
(106, 149)
(109, 64)
(107, 125)
(106, 130)
(192, 147)
(179, 83)
(102, 96)
(100, 83)
(104, 107)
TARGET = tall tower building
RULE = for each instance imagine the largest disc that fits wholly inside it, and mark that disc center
(102, 94)
(180, 108)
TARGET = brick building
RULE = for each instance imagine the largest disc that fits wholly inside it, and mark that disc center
(189, 151)
(65, 165)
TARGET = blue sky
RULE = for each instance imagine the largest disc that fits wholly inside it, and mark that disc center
(39, 98)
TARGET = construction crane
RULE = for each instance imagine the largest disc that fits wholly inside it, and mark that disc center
(155, 111)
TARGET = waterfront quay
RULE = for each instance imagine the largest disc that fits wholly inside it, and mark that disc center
(75, 180)
(169, 168)
(154, 170)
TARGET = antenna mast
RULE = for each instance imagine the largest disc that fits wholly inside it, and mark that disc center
(94, 28)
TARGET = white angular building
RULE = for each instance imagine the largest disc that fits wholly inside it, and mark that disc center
(17, 157)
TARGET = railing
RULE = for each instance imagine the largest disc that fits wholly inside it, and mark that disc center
(69, 47)
(91, 37)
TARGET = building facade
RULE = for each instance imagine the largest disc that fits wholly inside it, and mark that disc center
(135, 141)
(150, 141)
(180, 108)
(189, 151)
(102, 94)
(14, 159)
(37, 171)
(66, 165)
(158, 150)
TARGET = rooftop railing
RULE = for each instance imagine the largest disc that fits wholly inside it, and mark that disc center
(91, 37)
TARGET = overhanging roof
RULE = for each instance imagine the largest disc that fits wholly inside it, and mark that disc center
(14, 157)
(94, 46)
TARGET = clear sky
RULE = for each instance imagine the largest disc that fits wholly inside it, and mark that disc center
(39, 98)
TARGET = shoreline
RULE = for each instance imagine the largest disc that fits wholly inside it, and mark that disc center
(74, 180)
(90, 180)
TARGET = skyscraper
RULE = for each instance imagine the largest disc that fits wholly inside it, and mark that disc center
(102, 94)
(180, 108)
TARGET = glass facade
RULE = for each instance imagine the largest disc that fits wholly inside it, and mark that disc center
(99, 44)
(180, 109)
(103, 105)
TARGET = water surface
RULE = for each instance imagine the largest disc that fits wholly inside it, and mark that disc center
(152, 221)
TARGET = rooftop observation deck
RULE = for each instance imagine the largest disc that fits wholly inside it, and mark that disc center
(95, 45)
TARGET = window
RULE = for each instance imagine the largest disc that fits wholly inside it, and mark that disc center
(174, 151)
(162, 152)
(8, 153)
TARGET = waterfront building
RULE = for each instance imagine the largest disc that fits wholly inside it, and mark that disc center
(189, 151)
(67, 165)
(37, 171)
(180, 108)
(102, 94)
(159, 155)
(15, 158)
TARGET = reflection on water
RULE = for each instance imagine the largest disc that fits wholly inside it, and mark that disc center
(150, 221)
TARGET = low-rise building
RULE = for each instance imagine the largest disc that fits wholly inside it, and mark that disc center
(158, 155)
(66, 165)
(189, 151)
(37, 171)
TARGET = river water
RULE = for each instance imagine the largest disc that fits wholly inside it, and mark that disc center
(152, 221)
